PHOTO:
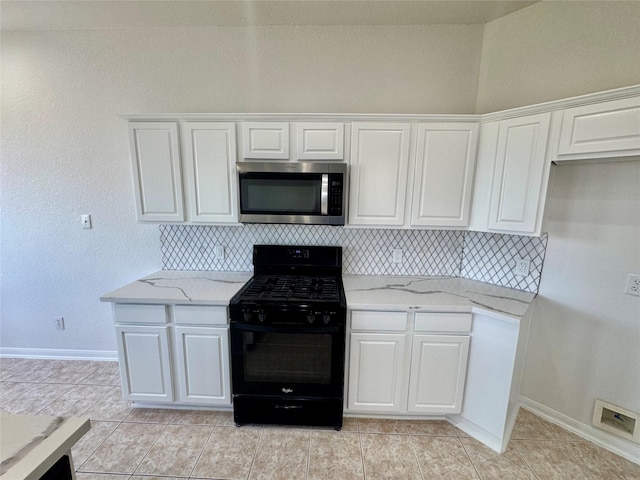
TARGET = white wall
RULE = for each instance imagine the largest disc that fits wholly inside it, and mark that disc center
(585, 335)
(558, 49)
(65, 151)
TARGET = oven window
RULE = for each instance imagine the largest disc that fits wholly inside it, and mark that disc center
(281, 195)
(287, 357)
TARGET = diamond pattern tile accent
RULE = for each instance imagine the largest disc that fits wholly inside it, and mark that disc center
(490, 257)
(476, 255)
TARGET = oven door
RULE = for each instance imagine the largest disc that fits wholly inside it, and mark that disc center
(296, 361)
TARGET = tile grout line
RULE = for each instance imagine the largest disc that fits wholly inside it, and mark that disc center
(255, 454)
(213, 431)
(415, 455)
(308, 455)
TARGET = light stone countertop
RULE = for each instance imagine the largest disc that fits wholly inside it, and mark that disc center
(435, 294)
(362, 292)
(181, 287)
(31, 444)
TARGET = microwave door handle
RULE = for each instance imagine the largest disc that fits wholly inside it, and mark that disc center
(324, 195)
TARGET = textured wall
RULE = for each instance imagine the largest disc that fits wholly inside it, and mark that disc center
(559, 49)
(585, 335)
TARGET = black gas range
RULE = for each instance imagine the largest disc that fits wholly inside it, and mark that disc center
(288, 338)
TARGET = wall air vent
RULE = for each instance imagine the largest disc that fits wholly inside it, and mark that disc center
(617, 420)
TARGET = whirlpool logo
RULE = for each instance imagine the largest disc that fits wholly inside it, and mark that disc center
(287, 390)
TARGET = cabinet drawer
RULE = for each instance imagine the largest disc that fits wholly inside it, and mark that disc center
(386, 321)
(139, 313)
(442, 322)
(200, 314)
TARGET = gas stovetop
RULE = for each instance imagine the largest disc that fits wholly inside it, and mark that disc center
(294, 284)
(292, 288)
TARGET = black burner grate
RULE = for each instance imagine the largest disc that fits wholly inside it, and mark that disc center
(292, 287)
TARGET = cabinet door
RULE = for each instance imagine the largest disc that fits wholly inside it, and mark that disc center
(609, 129)
(519, 183)
(143, 355)
(376, 372)
(265, 140)
(379, 162)
(202, 355)
(155, 158)
(210, 171)
(320, 141)
(443, 177)
(438, 371)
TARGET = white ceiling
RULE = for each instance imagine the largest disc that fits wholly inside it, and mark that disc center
(95, 14)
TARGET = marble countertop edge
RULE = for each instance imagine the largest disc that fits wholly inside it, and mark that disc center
(367, 292)
(30, 450)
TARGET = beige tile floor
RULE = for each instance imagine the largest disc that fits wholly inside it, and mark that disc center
(151, 444)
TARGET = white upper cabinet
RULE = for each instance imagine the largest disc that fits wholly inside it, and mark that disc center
(519, 174)
(210, 171)
(319, 141)
(443, 179)
(602, 130)
(265, 140)
(379, 164)
(155, 159)
(512, 174)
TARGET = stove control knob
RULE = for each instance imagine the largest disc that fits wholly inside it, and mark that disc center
(262, 316)
(311, 317)
(246, 315)
(326, 318)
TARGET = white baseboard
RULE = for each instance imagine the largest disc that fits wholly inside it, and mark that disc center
(59, 354)
(619, 446)
(477, 432)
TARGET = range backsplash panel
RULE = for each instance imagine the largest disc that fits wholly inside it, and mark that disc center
(453, 253)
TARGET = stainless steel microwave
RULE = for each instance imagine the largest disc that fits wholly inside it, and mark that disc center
(303, 192)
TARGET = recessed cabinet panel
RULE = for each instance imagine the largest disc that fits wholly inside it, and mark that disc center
(265, 140)
(203, 365)
(200, 314)
(444, 174)
(375, 320)
(320, 141)
(442, 322)
(438, 370)
(210, 151)
(155, 158)
(145, 370)
(379, 163)
(604, 129)
(518, 181)
(375, 372)
(139, 313)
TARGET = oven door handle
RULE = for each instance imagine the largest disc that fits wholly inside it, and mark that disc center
(287, 407)
(278, 329)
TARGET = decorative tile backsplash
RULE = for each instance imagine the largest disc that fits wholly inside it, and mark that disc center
(479, 256)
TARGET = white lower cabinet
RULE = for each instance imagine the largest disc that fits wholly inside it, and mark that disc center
(174, 354)
(145, 367)
(395, 368)
(376, 363)
(202, 361)
(438, 367)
